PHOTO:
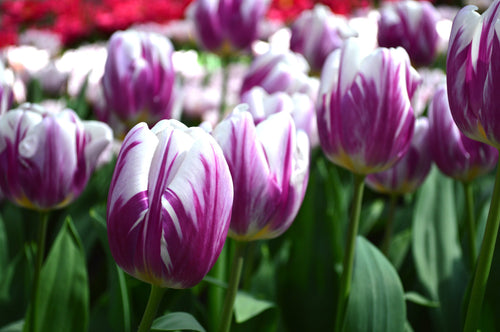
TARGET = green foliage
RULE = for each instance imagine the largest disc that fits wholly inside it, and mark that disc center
(376, 302)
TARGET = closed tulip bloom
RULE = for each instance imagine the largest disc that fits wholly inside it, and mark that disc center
(225, 26)
(411, 25)
(169, 204)
(455, 154)
(473, 73)
(139, 78)
(276, 71)
(269, 164)
(411, 170)
(318, 32)
(365, 119)
(47, 159)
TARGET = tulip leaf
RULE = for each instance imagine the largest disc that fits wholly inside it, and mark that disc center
(436, 249)
(376, 302)
(247, 306)
(63, 297)
(420, 300)
(16, 326)
(177, 321)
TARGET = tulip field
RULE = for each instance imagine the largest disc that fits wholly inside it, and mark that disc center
(252, 165)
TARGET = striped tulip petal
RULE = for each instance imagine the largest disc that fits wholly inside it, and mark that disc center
(169, 204)
(269, 165)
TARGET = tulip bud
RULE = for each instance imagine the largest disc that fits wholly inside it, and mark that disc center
(411, 25)
(269, 164)
(276, 71)
(169, 204)
(473, 73)
(47, 159)
(365, 119)
(318, 32)
(455, 154)
(139, 78)
(411, 170)
(224, 26)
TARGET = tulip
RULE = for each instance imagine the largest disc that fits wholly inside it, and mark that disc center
(411, 170)
(411, 25)
(276, 71)
(365, 119)
(224, 26)
(47, 159)
(318, 32)
(472, 68)
(169, 204)
(300, 106)
(269, 164)
(139, 78)
(455, 154)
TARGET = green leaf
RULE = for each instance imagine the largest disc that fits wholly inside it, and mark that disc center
(436, 249)
(16, 326)
(421, 300)
(399, 247)
(246, 306)
(376, 302)
(63, 297)
(177, 321)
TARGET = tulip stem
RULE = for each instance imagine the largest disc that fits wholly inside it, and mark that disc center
(389, 226)
(232, 288)
(40, 250)
(471, 224)
(483, 266)
(155, 297)
(352, 232)
(225, 81)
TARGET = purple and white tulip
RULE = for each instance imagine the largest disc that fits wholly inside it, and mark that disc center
(276, 71)
(318, 32)
(365, 119)
(139, 78)
(473, 73)
(47, 159)
(224, 26)
(411, 170)
(411, 25)
(169, 204)
(269, 164)
(300, 106)
(455, 154)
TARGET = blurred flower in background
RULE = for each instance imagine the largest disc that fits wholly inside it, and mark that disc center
(411, 170)
(139, 81)
(224, 26)
(318, 32)
(46, 159)
(302, 108)
(411, 25)
(169, 204)
(455, 154)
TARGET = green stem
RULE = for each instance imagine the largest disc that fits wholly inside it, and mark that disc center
(471, 223)
(155, 297)
(216, 293)
(40, 251)
(352, 232)
(389, 226)
(225, 80)
(482, 272)
(232, 288)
